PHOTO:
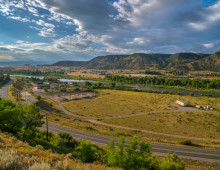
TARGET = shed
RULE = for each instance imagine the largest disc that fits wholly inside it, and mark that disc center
(84, 96)
(198, 106)
(181, 103)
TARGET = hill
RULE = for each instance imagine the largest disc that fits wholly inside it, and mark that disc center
(69, 63)
(141, 61)
(211, 62)
(179, 60)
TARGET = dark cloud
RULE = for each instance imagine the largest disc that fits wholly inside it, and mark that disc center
(93, 15)
(161, 23)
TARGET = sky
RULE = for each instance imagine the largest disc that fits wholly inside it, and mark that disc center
(47, 31)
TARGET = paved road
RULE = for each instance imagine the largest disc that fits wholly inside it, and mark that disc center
(205, 154)
(4, 89)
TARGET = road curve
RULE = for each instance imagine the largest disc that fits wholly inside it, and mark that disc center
(4, 89)
(194, 153)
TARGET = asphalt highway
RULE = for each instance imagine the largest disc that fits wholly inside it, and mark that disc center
(4, 89)
(188, 152)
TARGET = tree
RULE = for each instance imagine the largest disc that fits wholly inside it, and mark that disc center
(112, 85)
(6, 78)
(86, 151)
(10, 116)
(172, 162)
(87, 84)
(18, 120)
(132, 157)
(31, 118)
(38, 97)
(74, 83)
(45, 89)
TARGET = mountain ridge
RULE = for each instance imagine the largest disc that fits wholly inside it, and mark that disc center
(141, 61)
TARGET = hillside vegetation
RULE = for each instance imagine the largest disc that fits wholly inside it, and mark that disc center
(211, 62)
(140, 61)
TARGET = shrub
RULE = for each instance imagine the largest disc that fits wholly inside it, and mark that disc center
(76, 89)
(38, 97)
(89, 128)
(9, 159)
(172, 162)
(63, 143)
(132, 157)
(88, 152)
(40, 166)
(186, 142)
(45, 89)
(63, 165)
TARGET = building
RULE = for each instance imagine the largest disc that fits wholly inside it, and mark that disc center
(41, 86)
(181, 103)
(54, 87)
(84, 96)
(198, 106)
(208, 107)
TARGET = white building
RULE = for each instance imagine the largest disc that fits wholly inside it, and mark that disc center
(84, 96)
(181, 103)
(198, 106)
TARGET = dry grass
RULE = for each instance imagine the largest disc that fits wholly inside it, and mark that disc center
(192, 125)
(86, 75)
(10, 96)
(167, 128)
(15, 154)
(114, 103)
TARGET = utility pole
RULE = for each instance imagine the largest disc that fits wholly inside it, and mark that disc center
(47, 126)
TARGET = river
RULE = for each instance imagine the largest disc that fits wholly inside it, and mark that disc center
(139, 87)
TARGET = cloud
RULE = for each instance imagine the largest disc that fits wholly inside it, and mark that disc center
(93, 15)
(7, 58)
(208, 45)
(101, 27)
(144, 25)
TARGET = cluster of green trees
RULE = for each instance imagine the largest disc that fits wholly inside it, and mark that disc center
(179, 73)
(151, 72)
(184, 82)
(18, 120)
(4, 79)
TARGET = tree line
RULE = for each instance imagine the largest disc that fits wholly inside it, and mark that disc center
(4, 79)
(183, 82)
(32, 72)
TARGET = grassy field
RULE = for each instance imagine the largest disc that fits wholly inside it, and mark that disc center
(113, 103)
(86, 75)
(196, 126)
